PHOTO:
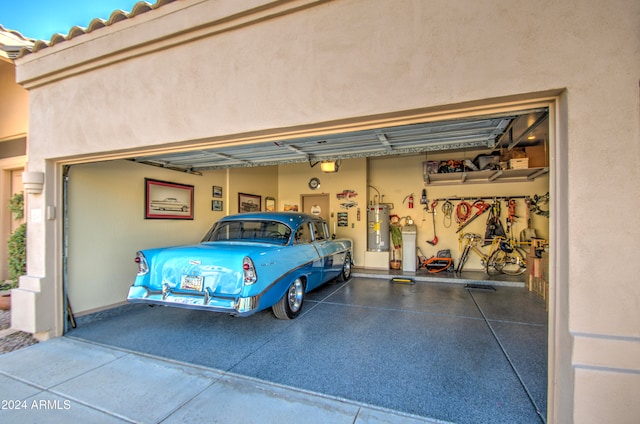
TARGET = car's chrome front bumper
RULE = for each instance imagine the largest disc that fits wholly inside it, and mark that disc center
(241, 306)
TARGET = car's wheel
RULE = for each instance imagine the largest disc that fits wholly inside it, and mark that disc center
(290, 305)
(346, 269)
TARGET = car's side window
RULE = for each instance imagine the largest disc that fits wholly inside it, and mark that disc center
(319, 232)
(303, 234)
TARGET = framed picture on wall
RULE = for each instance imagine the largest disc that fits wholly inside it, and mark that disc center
(166, 200)
(270, 204)
(216, 205)
(217, 191)
(249, 202)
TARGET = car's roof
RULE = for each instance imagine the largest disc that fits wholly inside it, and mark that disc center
(292, 219)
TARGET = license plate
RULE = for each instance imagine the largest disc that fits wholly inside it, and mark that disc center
(191, 282)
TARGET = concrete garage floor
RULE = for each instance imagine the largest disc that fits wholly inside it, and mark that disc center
(436, 350)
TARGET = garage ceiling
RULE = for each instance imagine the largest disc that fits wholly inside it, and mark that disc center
(480, 133)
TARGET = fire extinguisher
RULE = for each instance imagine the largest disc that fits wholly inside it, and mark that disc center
(411, 201)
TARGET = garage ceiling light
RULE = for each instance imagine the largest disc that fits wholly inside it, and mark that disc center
(329, 166)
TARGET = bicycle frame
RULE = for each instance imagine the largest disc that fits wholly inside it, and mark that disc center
(500, 258)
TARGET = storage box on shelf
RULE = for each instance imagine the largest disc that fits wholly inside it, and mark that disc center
(537, 156)
(520, 163)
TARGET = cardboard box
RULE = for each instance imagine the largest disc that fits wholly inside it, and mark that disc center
(544, 265)
(530, 282)
(539, 287)
(519, 163)
(515, 153)
(534, 265)
(538, 156)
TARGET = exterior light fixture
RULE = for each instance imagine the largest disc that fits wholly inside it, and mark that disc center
(33, 182)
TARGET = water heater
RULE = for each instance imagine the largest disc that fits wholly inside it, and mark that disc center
(378, 234)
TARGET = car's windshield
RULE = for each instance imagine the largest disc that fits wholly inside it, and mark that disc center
(262, 231)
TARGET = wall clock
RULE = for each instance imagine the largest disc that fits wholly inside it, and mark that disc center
(314, 183)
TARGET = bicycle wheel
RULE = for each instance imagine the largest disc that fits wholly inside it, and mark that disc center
(490, 265)
(508, 263)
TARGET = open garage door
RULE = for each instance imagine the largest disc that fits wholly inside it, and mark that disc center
(105, 212)
(106, 220)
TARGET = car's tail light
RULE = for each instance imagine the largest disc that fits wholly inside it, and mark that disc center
(249, 271)
(143, 268)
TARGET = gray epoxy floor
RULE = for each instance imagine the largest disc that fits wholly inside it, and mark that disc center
(435, 350)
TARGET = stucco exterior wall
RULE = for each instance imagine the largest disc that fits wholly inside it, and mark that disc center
(14, 104)
(14, 118)
(182, 75)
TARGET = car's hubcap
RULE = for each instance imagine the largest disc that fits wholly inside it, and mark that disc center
(296, 293)
(347, 267)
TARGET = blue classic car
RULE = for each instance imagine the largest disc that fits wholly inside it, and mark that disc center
(246, 263)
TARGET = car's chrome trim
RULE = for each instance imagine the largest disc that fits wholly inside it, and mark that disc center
(234, 305)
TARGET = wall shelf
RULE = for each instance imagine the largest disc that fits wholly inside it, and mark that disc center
(486, 177)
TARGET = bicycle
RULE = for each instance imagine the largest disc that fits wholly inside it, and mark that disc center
(503, 256)
(509, 259)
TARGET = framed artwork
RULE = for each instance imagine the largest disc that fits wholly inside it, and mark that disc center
(343, 219)
(166, 200)
(217, 191)
(270, 204)
(216, 205)
(249, 202)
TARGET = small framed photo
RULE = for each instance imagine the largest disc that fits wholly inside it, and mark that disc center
(249, 202)
(217, 191)
(216, 205)
(270, 204)
(166, 200)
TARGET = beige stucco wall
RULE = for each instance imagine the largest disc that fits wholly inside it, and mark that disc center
(353, 61)
(14, 118)
(14, 104)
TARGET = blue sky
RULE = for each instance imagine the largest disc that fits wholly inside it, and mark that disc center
(40, 19)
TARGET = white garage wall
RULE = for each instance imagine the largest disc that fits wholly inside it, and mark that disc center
(396, 178)
(107, 225)
(106, 209)
(352, 175)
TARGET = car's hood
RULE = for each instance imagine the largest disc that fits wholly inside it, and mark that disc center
(219, 263)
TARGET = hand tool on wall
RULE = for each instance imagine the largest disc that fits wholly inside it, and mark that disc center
(482, 207)
(447, 211)
(511, 217)
(433, 217)
(494, 225)
(463, 212)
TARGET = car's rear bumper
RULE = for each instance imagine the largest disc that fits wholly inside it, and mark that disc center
(241, 306)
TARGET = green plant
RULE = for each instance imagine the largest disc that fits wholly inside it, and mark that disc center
(17, 254)
(17, 244)
(16, 205)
